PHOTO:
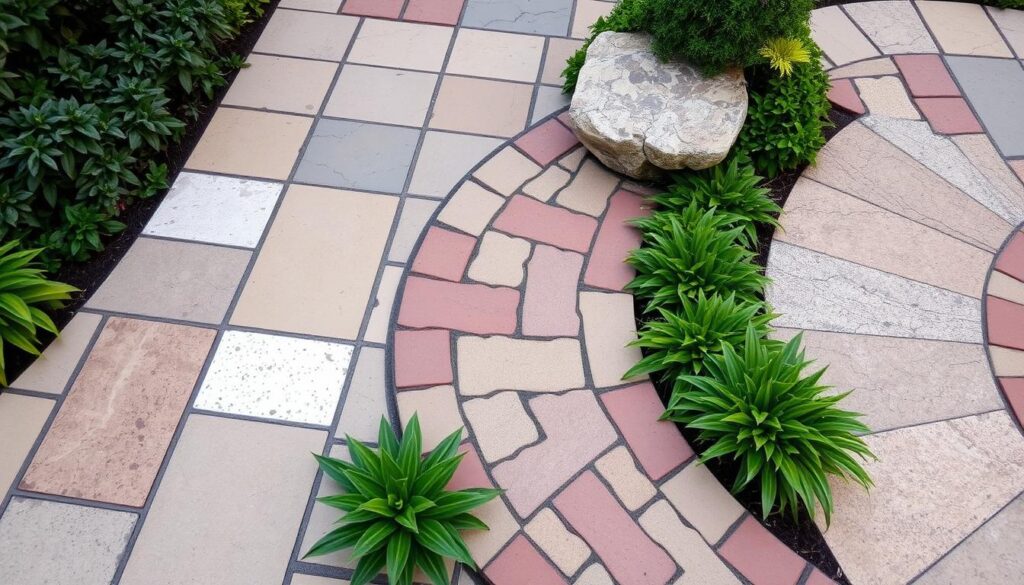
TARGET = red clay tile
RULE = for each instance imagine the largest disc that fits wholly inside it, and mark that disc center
(1014, 390)
(1011, 260)
(520, 563)
(844, 95)
(531, 219)
(422, 358)
(1005, 323)
(926, 76)
(949, 115)
(549, 304)
(434, 11)
(474, 308)
(378, 8)
(444, 254)
(761, 557)
(547, 142)
(470, 473)
(615, 239)
(818, 578)
(626, 550)
(657, 444)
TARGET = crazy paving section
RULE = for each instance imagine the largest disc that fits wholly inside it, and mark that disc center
(512, 321)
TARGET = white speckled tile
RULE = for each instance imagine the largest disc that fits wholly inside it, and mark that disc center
(277, 377)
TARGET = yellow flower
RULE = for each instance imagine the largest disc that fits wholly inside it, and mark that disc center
(783, 52)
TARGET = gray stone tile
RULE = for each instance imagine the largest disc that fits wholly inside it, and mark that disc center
(49, 543)
(358, 155)
(445, 159)
(546, 17)
(995, 87)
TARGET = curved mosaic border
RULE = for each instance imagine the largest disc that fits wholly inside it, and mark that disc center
(1003, 317)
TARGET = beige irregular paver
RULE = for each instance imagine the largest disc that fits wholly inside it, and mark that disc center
(559, 51)
(701, 566)
(1007, 362)
(485, 53)
(281, 83)
(1011, 23)
(484, 544)
(893, 25)
(567, 550)
(629, 484)
(899, 381)
(500, 425)
(594, 575)
(589, 190)
(52, 371)
(829, 221)
(506, 171)
(869, 68)
(272, 142)
(438, 412)
(608, 327)
(500, 260)
(544, 187)
(305, 34)
(471, 208)
(21, 420)
(839, 37)
(934, 485)
(886, 96)
(571, 162)
(380, 316)
(703, 501)
(317, 227)
(963, 29)
(487, 364)
(405, 45)
(1006, 287)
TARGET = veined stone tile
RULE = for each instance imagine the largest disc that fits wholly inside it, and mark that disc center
(414, 217)
(567, 550)
(869, 68)
(51, 542)
(473, 308)
(1006, 287)
(272, 142)
(531, 219)
(609, 326)
(559, 51)
(445, 158)
(444, 254)
(281, 83)
(590, 189)
(500, 260)
(1005, 323)
(521, 563)
(52, 371)
(277, 377)
(703, 501)
(865, 165)
(926, 76)
(471, 208)
(814, 291)
(963, 29)
(182, 540)
(701, 566)
(885, 96)
(482, 106)
(657, 444)
(304, 34)
(894, 26)
(549, 100)
(549, 305)
(422, 358)
(482, 53)
(1006, 361)
(375, 94)
(760, 557)
(899, 382)
(366, 401)
(434, 11)
(548, 141)
(484, 544)
(982, 154)
(401, 44)
(839, 37)
(21, 420)
(576, 430)
(358, 155)
(594, 575)
(500, 425)
(632, 486)
(1011, 23)
(438, 409)
(544, 187)
(949, 115)
(1011, 259)
(384, 301)
(995, 88)
(934, 485)
(544, 17)
(831, 222)
(506, 171)
(487, 364)
(215, 209)
(110, 436)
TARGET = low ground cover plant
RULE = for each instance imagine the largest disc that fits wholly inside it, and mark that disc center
(398, 515)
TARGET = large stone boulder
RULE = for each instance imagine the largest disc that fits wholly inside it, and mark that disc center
(641, 116)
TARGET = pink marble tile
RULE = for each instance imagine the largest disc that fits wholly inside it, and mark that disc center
(625, 549)
(607, 267)
(533, 220)
(1005, 323)
(474, 308)
(844, 95)
(434, 11)
(444, 254)
(521, 563)
(547, 142)
(1014, 390)
(422, 358)
(657, 444)
(926, 76)
(470, 473)
(378, 8)
(949, 115)
(761, 557)
(549, 304)
(1011, 260)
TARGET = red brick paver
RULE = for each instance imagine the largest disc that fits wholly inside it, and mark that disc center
(547, 142)
(1005, 323)
(657, 444)
(521, 563)
(422, 358)
(949, 115)
(844, 95)
(434, 11)
(444, 254)
(538, 221)
(760, 556)
(926, 76)
(1011, 260)
(474, 308)
(615, 240)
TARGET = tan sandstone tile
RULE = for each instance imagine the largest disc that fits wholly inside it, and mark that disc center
(839, 37)
(380, 315)
(594, 575)
(305, 34)
(1006, 287)
(620, 471)
(494, 363)
(506, 171)
(471, 208)
(484, 544)
(281, 83)
(500, 424)
(608, 326)
(894, 27)
(316, 228)
(485, 53)
(869, 68)
(963, 29)
(500, 260)
(482, 106)
(1007, 362)
(590, 189)
(567, 550)
(21, 420)
(1011, 23)
(704, 502)
(571, 162)
(255, 144)
(52, 371)
(376, 94)
(438, 409)
(401, 44)
(587, 12)
(701, 566)
(886, 96)
(544, 187)
(559, 50)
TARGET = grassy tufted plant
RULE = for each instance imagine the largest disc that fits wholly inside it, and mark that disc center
(757, 407)
(397, 513)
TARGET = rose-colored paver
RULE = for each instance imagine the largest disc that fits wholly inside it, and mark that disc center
(760, 556)
(547, 142)
(1011, 260)
(658, 445)
(549, 304)
(1005, 323)
(520, 562)
(926, 76)
(422, 358)
(444, 254)
(949, 115)
(615, 239)
(434, 11)
(474, 308)
(1013, 388)
(377, 8)
(470, 473)
(541, 222)
(844, 95)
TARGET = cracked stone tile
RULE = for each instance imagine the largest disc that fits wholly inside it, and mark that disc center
(358, 155)
(894, 27)
(500, 260)
(995, 89)
(544, 17)
(500, 424)
(886, 96)
(620, 471)
(963, 29)
(838, 36)
(814, 291)
(701, 566)
(567, 550)
(494, 363)
(869, 68)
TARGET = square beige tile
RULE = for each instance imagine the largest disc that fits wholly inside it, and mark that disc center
(51, 371)
(281, 83)
(316, 270)
(480, 106)
(21, 420)
(587, 12)
(305, 34)
(485, 53)
(331, 6)
(401, 44)
(382, 95)
(255, 144)
(559, 51)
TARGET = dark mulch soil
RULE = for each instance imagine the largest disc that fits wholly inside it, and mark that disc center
(89, 275)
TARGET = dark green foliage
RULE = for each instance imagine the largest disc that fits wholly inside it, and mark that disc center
(397, 513)
(784, 429)
(1018, 4)
(92, 91)
(242, 12)
(628, 15)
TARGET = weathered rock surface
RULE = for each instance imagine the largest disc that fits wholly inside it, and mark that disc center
(641, 116)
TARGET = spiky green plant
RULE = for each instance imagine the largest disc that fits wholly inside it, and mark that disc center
(757, 407)
(24, 293)
(398, 514)
(783, 52)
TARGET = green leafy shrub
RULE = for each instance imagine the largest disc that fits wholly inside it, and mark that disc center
(757, 407)
(397, 513)
(24, 294)
(242, 12)
(1018, 4)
